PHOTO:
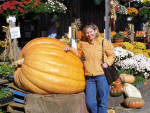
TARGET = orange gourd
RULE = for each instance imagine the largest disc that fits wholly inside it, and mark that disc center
(116, 88)
(47, 68)
(126, 78)
(134, 102)
(79, 35)
(117, 45)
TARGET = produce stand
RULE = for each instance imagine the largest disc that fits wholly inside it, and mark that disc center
(75, 103)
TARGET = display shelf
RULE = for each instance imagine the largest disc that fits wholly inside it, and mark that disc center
(3, 81)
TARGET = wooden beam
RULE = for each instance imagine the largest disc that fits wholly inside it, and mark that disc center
(107, 20)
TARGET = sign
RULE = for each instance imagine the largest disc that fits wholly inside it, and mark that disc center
(15, 32)
(74, 43)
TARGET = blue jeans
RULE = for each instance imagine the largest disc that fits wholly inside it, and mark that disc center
(97, 93)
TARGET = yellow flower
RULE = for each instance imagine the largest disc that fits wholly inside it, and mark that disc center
(145, 53)
(146, 1)
(137, 51)
(127, 46)
(132, 11)
(113, 33)
(2, 43)
(148, 50)
(139, 45)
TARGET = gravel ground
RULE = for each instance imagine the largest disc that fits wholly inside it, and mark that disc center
(116, 102)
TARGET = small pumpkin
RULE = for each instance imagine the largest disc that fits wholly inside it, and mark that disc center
(134, 102)
(47, 68)
(116, 88)
(127, 78)
(117, 44)
(79, 35)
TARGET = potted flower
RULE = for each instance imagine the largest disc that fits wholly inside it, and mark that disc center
(144, 11)
(118, 37)
(12, 9)
(6, 71)
(51, 6)
(6, 95)
(131, 11)
(15, 8)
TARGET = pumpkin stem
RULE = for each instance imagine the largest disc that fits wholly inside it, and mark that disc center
(18, 62)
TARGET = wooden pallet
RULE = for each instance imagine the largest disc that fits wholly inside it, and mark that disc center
(15, 108)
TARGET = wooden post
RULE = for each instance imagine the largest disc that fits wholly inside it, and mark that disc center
(131, 32)
(148, 31)
(107, 20)
(12, 46)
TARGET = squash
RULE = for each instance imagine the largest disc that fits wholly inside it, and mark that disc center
(116, 88)
(131, 91)
(79, 35)
(126, 78)
(119, 44)
(116, 92)
(47, 68)
(133, 102)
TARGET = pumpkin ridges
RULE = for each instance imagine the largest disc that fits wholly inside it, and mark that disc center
(45, 65)
(49, 54)
(133, 102)
(22, 82)
(27, 68)
(53, 83)
(43, 41)
(51, 48)
(16, 77)
(30, 86)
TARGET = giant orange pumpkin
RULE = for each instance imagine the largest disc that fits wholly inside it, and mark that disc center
(47, 68)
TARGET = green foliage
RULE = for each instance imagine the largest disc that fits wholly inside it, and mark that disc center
(129, 71)
(5, 94)
(118, 35)
(6, 70)
(21, 8)
(139, 80)
(144, 11)
(1, 111)
(48, 7)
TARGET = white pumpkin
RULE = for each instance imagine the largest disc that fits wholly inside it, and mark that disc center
(131, 91)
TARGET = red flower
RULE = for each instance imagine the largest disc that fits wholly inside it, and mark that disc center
(26, 12)
(35, 4)
(20, 10)
(116, 8)
(12, 8)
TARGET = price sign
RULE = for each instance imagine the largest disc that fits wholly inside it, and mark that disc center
(15, 32)
(74, 43)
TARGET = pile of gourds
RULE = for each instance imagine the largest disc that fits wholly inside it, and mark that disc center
(124, 85)
(47, 68)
